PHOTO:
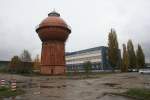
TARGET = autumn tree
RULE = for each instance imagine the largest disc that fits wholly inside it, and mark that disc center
(113, 55)
(131, 53)
(36, 65)
(15, 64)
(140, 57)
(125, 60)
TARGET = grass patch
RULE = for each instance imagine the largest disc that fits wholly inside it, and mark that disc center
(140, 94)
(6, 92)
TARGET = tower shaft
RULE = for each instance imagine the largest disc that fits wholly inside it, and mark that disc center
(53, 57)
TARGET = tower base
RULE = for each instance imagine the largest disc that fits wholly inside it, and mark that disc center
(52, 70)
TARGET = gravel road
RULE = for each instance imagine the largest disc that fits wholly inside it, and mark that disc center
(62, 88)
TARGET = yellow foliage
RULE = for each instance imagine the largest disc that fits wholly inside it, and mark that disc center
(36, 65)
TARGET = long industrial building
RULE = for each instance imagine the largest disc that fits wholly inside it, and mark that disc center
(98, 56)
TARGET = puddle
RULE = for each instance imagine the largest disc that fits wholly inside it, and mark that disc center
(111, 84)
(45, 86)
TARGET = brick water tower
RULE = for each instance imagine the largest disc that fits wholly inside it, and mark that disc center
(53, 32)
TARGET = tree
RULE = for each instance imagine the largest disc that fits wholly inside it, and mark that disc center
(125, 60)
(26, 64)
(15, 64)
(140, 57)
(36, 65)
(87, 67)
(131, 53)
(113, 56)
(26, 56)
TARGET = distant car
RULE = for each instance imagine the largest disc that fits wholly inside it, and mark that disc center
(132, 70)
(144, 71)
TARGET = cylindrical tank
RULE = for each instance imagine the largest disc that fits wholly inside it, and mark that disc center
(53, 32)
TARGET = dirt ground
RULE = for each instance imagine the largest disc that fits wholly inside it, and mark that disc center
(62, 88)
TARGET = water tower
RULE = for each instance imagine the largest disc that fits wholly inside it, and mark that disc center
(53, 32)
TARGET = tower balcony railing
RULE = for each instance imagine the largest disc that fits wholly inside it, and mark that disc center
(37, 26)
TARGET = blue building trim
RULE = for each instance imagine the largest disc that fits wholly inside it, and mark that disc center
(84, 51)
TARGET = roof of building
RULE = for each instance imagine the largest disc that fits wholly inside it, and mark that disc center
(85, 50)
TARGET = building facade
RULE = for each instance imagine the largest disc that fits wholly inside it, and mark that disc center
(98, 57)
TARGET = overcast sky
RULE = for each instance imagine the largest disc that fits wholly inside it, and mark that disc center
(91, 21)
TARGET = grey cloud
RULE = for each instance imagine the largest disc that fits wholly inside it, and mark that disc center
(90, 20)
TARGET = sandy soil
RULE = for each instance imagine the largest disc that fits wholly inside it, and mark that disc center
(62, 88)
